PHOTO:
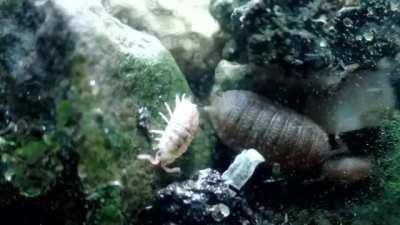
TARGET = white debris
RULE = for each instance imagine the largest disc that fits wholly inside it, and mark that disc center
(242, 168)
(219, 212)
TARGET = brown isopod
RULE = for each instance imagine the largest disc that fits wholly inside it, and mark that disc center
(347, 171)
(245, 120)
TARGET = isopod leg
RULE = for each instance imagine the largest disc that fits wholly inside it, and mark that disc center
(157, 132)
(148, 157)
(341, 149)
(177, 100)
(163, 117)
(171, 170)
(168, 109)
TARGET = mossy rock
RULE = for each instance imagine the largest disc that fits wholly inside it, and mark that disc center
(383, 204)
(114, 72)
(95, 73)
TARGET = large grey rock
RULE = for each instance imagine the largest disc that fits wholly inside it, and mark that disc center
(118, 70)
(231, 75)
(185, 27)
(364, 100)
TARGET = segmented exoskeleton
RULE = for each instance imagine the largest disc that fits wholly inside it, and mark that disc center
(245, 120)
(178, 134)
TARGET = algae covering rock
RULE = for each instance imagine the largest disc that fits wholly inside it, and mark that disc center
(106, 205)
(76, 81)
(382, 205)
(30, 151)
(117, 71)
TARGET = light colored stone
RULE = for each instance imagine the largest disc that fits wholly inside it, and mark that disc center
(231, 75)
(185, 27)
(167, 17)
(362, 101)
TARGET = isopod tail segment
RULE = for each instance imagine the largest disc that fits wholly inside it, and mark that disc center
(344, 171)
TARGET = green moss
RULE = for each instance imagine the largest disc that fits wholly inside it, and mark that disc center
(106, 202)
(384, 204)
(10, 6)
(107, 133)
(100, 111)
(141, 182)
(33, 166)
(108, 124)
(64, 113)
(32, 151)
(150, 84)
(90, 108)
(105, 138)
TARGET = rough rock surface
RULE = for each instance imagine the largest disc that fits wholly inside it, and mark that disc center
(204, 199)
(73, 79)
(310, 38)
(185, 27)
(332, 51)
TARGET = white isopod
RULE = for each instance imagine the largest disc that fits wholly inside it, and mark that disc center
(179, 133)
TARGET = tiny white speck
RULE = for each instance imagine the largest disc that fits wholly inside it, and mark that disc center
(92, 82)
(116, 183)
(8, 178)
(98, 111)
(323, 43)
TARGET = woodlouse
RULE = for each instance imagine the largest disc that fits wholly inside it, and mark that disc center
(179, 133)
(347, 170)
(243, 120)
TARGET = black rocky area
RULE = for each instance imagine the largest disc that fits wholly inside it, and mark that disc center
(313, 35)
(203, 199)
